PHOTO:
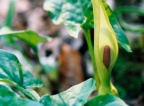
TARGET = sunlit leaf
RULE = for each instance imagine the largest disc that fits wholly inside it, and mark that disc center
(73, 13)
(74, 96)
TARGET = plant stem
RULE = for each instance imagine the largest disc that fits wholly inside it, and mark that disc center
(10, 14)
(91, 51)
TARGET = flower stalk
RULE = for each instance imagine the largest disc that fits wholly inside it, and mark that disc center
(91, 52)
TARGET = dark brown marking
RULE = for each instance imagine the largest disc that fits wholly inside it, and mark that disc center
(106, 56)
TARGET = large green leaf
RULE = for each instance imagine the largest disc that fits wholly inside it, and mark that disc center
(28, 36)
(121, 37)
(75, 96)
(73, 13)
(11, 72)
(10, 98)
(10, 67)
(106, 100)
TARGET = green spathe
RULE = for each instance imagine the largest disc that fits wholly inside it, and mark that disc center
(103, 36)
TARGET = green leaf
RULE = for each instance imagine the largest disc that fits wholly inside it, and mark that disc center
(11, 72)
(6, 95)
(31, 81)
(24, 102)
(28, 36)
(121, 37)
(10, 98)
(10, 13)
(73, 13)
(29, 93)
(10, 67)
(106, 100)
(74, 96)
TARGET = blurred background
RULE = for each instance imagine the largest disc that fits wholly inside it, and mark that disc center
(64, 61)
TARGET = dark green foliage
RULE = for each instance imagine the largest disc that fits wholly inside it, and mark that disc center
(10, 98)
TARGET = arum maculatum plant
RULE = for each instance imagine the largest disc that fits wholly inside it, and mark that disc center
(76, 15)
(105, 47)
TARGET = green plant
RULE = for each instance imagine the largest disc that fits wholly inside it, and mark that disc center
(76, 15)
